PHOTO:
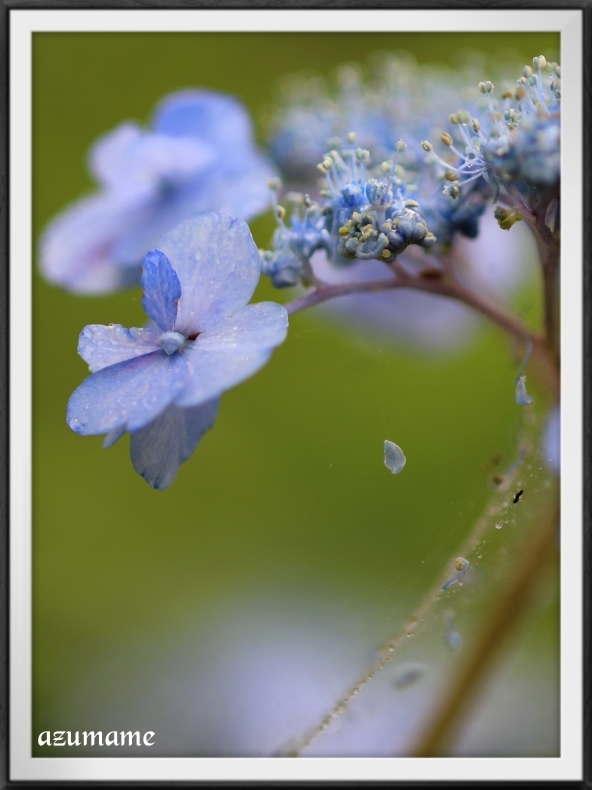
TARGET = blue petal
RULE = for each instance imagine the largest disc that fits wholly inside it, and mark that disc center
(236, 188)
(101, 346)
(130, 155)
(107, 157)
(216, 118)
(130, 394)
(239, 189)
(113, 436)
(161, 289)
(160, 448)
(522, 397)
(552, 441)
(77, 248)
(232, 351)
(218, 266)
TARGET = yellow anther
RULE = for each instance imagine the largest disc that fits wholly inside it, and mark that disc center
(426, 145)
(351, 137)
(344, 231)
(447, 139)
(450, 175)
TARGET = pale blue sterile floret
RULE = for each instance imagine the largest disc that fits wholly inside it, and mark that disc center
(163, 385)
(197, 155)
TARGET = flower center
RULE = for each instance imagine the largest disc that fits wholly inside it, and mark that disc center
(171, 341)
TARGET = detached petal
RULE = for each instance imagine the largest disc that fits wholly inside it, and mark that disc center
(232, 351)
(218, 266)
(158, 450)
(101, 346)
(127, 395)
(161, 289)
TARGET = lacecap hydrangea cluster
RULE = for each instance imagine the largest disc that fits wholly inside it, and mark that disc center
(501, 147)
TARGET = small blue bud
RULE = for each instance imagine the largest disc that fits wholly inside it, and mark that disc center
(171, 341)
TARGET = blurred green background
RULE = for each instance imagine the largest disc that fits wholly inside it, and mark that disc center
(287, 497)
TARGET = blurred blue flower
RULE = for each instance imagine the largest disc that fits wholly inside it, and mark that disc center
(552, 441)
(163, 384)
(394, 98)
(197, 156)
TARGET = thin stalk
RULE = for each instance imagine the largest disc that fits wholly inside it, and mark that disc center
(448, 288)
(448, 717)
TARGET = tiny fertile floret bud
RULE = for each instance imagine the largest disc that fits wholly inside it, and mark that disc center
(485, 87)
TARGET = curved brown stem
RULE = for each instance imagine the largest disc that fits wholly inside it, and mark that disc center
(451, 289)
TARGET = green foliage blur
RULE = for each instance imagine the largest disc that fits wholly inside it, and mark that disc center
(288, 491)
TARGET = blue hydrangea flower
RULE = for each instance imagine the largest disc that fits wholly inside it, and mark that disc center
(162, 384)
(196, 156)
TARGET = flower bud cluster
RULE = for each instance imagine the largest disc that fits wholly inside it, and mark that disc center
(361, 215)
(288, 263)
(513, 140)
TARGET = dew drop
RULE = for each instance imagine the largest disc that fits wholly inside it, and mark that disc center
(499, 524)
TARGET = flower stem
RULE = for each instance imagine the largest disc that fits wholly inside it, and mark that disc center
(444, 724)
(452, 289)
